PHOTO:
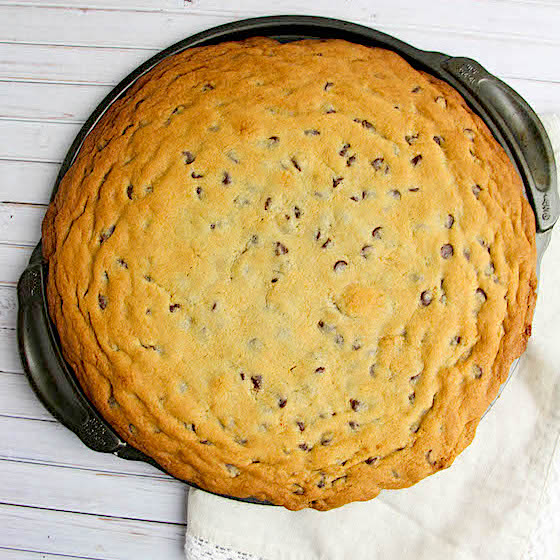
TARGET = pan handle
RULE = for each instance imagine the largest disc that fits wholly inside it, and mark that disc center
(521, 128)
(46, 370)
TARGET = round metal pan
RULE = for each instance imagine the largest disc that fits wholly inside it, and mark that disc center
(510, 119)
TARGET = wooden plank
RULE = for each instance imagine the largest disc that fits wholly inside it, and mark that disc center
(519, 18)
(18, 400)
(35, 140)
(20, 224)
(50, 443)
(101, 66)
(18, 554)
(508, 56)
(102, 27)
(120, 4)
(9, 357)
(58, 102)
(24, 181)
(8, 307)
(92, 536)
(13, 260)
(83, 491)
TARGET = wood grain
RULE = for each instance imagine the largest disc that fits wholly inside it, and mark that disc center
(9, 357)
(50, 443)
(59, 488)
(93, 536)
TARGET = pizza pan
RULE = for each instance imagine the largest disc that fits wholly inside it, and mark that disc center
(511, 120)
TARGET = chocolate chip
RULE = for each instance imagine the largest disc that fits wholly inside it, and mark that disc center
(353, 425)
(257, 382)
(367, 125)
(411, 139)
(300, 425)
(242, 375)
(377, 163)
(129, 191)
(326, 439)
(282, 403)
(395, 194)
(446, 251)
(106, 234)
(321, 324)
(376, 233)
(174, 306)
(366, 251)
(414, 379)
(267, 203)
(330, 110)
(456, 340)
(226, 179)
(426, 297)
(412, 397)
(336, 181)
(371, 460)
(273, 140)
(297, 212)
(339, 266)
(416, 89)
(328, 86)
(102, 301)
(207, 87)
(350, 160)
(122, 263)
(189, 157)
(344, 150)
(297, 489)
(438, 140)
(295, 164)
(355, 404)
(311, 132)
(274, 280)
(356, 345)
(481, 294)
(303, 446)
(280, 249)
(490, 269)
(414, 189)
(195, 175)
(199, 191)
(327, 243)
(320, 370)
(416, 160)
(449, 221)
(476, 190)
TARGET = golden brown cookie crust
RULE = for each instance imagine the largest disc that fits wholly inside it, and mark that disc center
(294, 272)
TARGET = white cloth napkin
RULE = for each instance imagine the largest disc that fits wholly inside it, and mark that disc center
(500, 500)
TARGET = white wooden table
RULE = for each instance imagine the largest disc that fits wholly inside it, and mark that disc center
(58, 58)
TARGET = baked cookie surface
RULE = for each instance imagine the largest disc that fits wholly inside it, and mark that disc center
(293, 272)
